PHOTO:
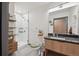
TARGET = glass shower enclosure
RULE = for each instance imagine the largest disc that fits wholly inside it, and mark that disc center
(21, 24)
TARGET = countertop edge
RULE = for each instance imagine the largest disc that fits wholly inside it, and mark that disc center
(68, 41)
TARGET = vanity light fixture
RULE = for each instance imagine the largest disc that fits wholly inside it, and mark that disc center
(63, 6)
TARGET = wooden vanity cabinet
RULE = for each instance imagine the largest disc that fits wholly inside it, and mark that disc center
(65, 48)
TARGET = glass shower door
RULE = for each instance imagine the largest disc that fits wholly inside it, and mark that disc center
(21, 29)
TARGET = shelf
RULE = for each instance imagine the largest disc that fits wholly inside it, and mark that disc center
(12, 35)
(12, 27)
(12, 20)
(10, 31)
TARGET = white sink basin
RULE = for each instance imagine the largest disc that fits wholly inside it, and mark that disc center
(57, 38)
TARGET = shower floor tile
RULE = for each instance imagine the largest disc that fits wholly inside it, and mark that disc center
(27, 51)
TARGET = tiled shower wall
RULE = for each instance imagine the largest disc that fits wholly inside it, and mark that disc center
(21, 26)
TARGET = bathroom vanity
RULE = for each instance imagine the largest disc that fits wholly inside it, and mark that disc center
(62, 45)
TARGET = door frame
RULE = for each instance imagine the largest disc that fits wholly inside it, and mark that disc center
(4, 28)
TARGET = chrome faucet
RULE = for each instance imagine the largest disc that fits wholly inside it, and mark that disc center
(54, 34)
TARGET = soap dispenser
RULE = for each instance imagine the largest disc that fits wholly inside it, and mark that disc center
(70, 30)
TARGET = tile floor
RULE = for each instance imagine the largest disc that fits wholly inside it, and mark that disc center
(26, 50)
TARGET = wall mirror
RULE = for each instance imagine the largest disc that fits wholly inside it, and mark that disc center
(60, 25)
(64, 19)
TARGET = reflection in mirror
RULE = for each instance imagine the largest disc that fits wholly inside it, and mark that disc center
(60, 25)
(72, 19)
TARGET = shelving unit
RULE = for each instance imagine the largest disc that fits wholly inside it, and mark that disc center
(12, 44)
(11, 27)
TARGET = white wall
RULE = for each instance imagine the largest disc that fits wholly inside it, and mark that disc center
(78, 19)
(71, 13)
(38, 19)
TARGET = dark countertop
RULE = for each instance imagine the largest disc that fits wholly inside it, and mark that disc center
(66, 40)
(65, 35)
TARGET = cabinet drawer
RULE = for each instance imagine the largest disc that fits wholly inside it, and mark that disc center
(62, 47)
(67, 48)
(53, 45)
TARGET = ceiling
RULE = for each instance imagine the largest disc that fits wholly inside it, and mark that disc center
(23, 6)
(30, 5)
